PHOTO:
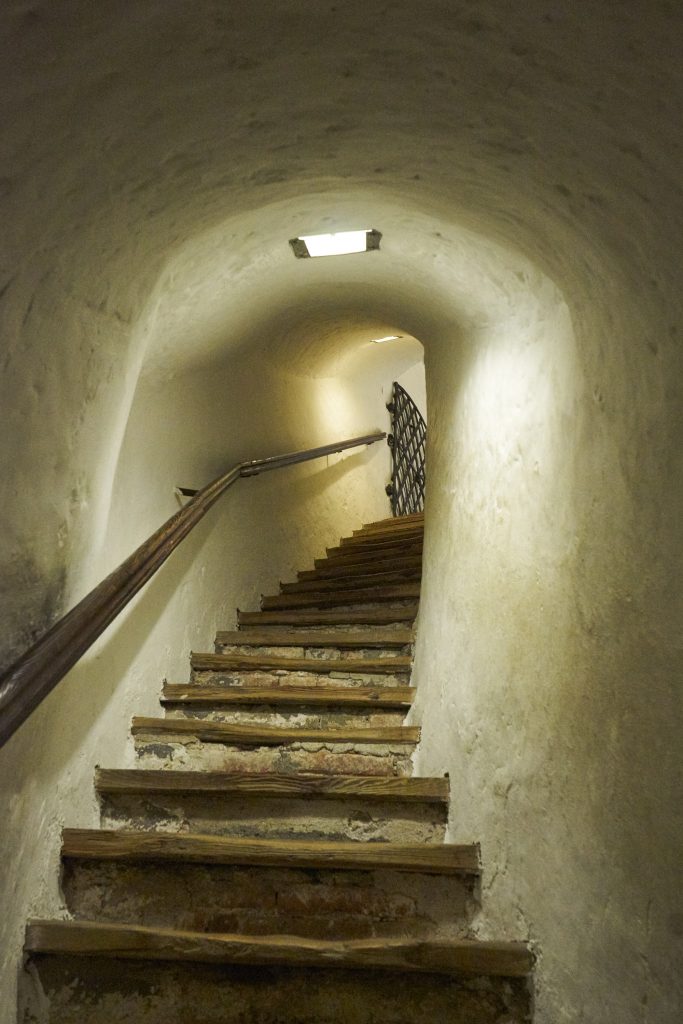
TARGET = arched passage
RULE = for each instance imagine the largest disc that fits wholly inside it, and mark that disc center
(521, 168)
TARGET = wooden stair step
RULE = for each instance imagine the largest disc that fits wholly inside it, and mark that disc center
(370, 578)
(347, 597)
(416, 517)
(103, 844)
(378, 549)
(296, 638)
(311, 617)
(397, 525)
(371, 697)
(326, 569)
(382, 533)
(455, 956)
(303, 785)
(263, 736)
(319, 666)
(371, 539)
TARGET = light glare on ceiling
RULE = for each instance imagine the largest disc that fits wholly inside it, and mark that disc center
(388, 337)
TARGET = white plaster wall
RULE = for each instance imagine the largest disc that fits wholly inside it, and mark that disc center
(549, 652)
(413, 380)
(185, 431)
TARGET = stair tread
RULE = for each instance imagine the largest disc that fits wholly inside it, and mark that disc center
(305, 785)
(367, 579)
(330, 569)
(395, 546)
(108, 844)
(261, 735)
(311, 617)
(208, 662)
(396, 526)
(357, 696)
(292, 638)
(370, 542)
(367, 595)
(454, 956)
(389, 520)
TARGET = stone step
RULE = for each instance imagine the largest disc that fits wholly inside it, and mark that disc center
(395, 664)
(345, 598)
(177, 743)
(100, 973)
(288, 716)
(272, 637)
(311, 677)
(352, 807)
(366, 697)
(460, 957)
(387, 615)
(330, 568)
(371, 578)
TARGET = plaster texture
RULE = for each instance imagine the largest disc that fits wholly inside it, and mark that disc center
(523, 164)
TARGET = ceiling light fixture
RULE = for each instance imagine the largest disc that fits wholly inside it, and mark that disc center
(389, 337)
(339, 243)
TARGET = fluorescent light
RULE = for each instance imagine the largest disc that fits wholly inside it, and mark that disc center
(389, 337)
(336, 245)
(339, 243)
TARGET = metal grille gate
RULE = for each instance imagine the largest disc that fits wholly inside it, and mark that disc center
(408, 442)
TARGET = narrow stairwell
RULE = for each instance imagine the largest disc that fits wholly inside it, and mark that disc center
(271, 858)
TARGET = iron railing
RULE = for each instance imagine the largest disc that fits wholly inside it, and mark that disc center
(408, 443)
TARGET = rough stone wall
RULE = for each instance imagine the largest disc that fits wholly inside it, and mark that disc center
(523, 165)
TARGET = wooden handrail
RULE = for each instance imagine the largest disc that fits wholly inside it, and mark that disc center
(33, 675)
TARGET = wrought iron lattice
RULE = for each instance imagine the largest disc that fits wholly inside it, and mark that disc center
(408, 443)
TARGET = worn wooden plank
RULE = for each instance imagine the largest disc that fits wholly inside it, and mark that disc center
(370, 542)
(304, 785)
(263, 736)
(454, 956)
(373, 538)
(326, 569)
(272, 663)
(102, 844)
(300, 638)
(330, 600)
(417, 517)
(379, 550)
(377, 532)
(370, 578)
(371, 697)
(311, 617)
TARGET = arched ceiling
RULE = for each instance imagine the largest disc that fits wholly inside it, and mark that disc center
(159, 154)
(238, 285)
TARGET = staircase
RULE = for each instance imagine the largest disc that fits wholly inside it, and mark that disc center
(271, 859)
